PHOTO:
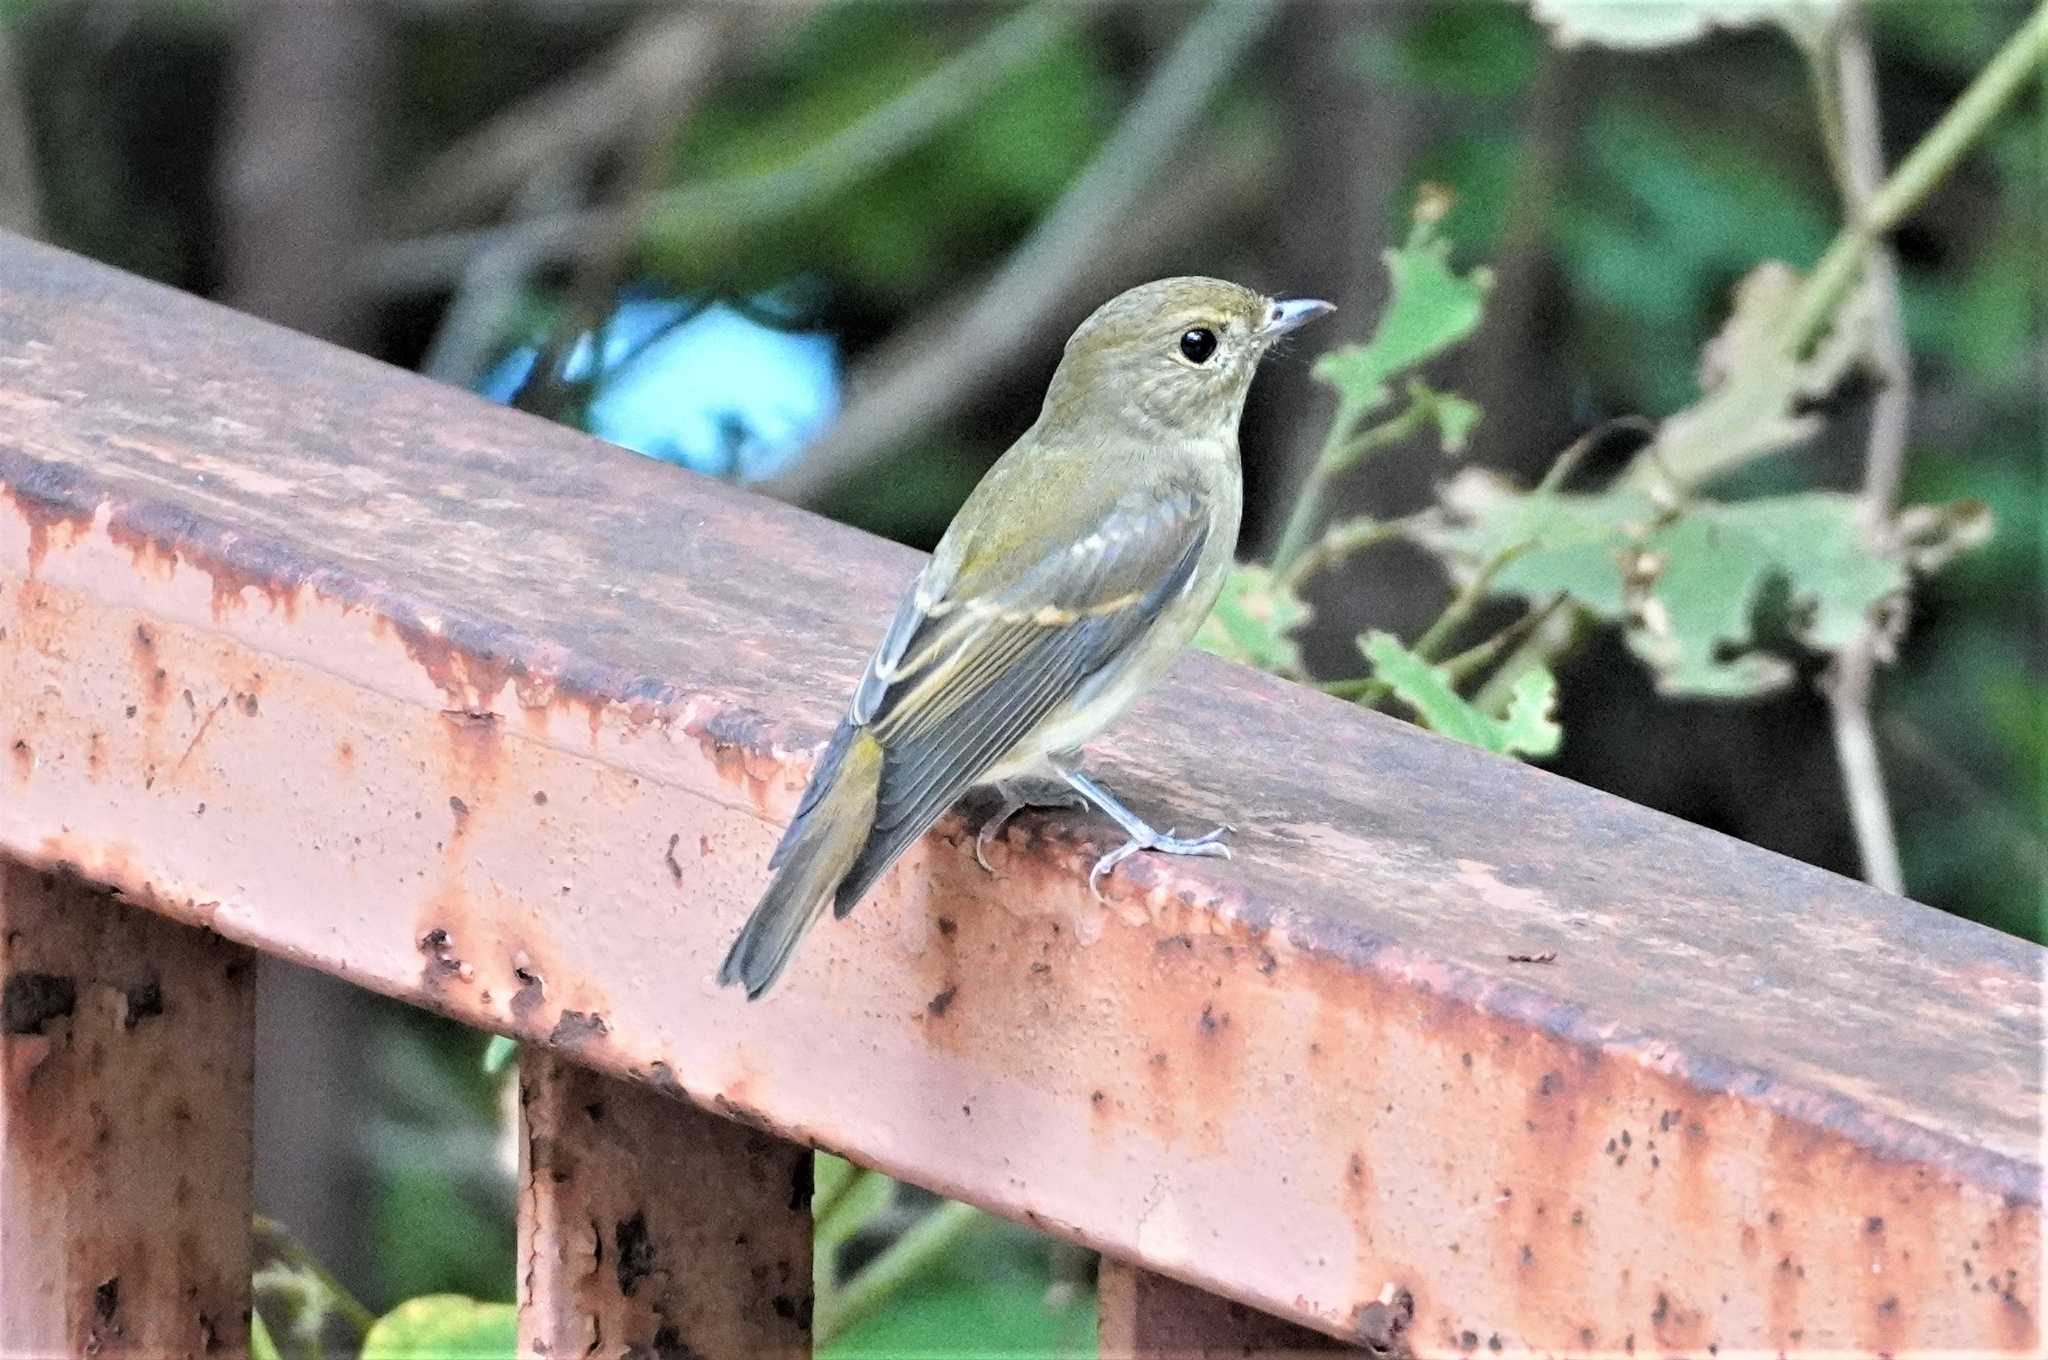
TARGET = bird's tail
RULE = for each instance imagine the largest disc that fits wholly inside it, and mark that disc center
(831, 825)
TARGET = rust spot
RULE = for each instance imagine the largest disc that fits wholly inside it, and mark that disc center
(576, 1028)
(662, 1078)
(442, 962)
(24, 760)
(141, 1001)
(741, 745)
(1382, 1326)
(633, 1253)
(532, 991)
(41, 517)
(469, 680)
(1676, 1326)
(475, 751)
(198, 734)
(29, 1001)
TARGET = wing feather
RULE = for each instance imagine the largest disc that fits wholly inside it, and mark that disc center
(982, 672)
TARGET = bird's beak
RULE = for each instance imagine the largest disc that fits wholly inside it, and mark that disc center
(1291, 315)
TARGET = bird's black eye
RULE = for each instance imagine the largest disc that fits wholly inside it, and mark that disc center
(1198, 344)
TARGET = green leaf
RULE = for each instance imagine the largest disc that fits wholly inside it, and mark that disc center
(1663, 23)
(1576, 544)
(1690, 582)
(1454, 417)
(1527, 729)
(500, 1053)
(1430, 309)
(444, 1327)
(1252, 620)
(1702, 576)
(1756, 401)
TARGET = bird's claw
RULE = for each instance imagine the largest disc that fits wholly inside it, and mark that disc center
(1209, 846)
(1014, 803)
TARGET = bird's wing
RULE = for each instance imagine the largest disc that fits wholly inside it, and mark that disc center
(963, 676)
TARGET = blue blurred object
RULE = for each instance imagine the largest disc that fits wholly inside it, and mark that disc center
(704, 386)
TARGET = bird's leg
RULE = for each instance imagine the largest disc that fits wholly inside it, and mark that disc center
(1020, 793)
(1142, 837)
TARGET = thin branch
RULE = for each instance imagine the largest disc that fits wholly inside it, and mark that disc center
(488, 294)
(1847, 686)
(570, 121)
(1863, 166)
(1554, 633)
(1850, 680)
(1343, 539)
(737, 203)
(1369, 690)
(1480, 655)
(1028, 291)
(930, 1238)
(1930, 162)
(1307, 510)
(1465, 601)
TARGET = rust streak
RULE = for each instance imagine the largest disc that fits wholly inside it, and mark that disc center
(198, 735)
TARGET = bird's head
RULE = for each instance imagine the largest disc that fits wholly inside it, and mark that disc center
(1172, 356)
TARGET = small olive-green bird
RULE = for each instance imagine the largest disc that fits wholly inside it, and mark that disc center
(1074, 574)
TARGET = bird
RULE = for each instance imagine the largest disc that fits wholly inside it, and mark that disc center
(1069, 580)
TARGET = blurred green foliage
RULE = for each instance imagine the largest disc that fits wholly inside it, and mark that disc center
(444, 1327)
(1668, 189)
(443, 1220)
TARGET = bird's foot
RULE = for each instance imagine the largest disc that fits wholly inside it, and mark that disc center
(1020, 795)
(1145, 838)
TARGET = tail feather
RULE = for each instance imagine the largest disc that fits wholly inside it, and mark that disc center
(832, 824)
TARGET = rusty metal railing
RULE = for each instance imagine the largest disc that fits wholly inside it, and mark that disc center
(304, 655)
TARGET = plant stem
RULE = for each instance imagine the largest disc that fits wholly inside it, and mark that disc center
(1477, 657)
(1360, 689)
(1341, 449)
(1466, 600)
(1566, 463)
(903, 1260)
(1341, 540)
(831, 1179)
(1308, 505)
(1915, 178)
(1846, 80)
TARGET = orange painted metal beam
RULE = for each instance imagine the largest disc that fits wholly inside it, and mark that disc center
(483, 714)
(126, 1052)
(650, 1228)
